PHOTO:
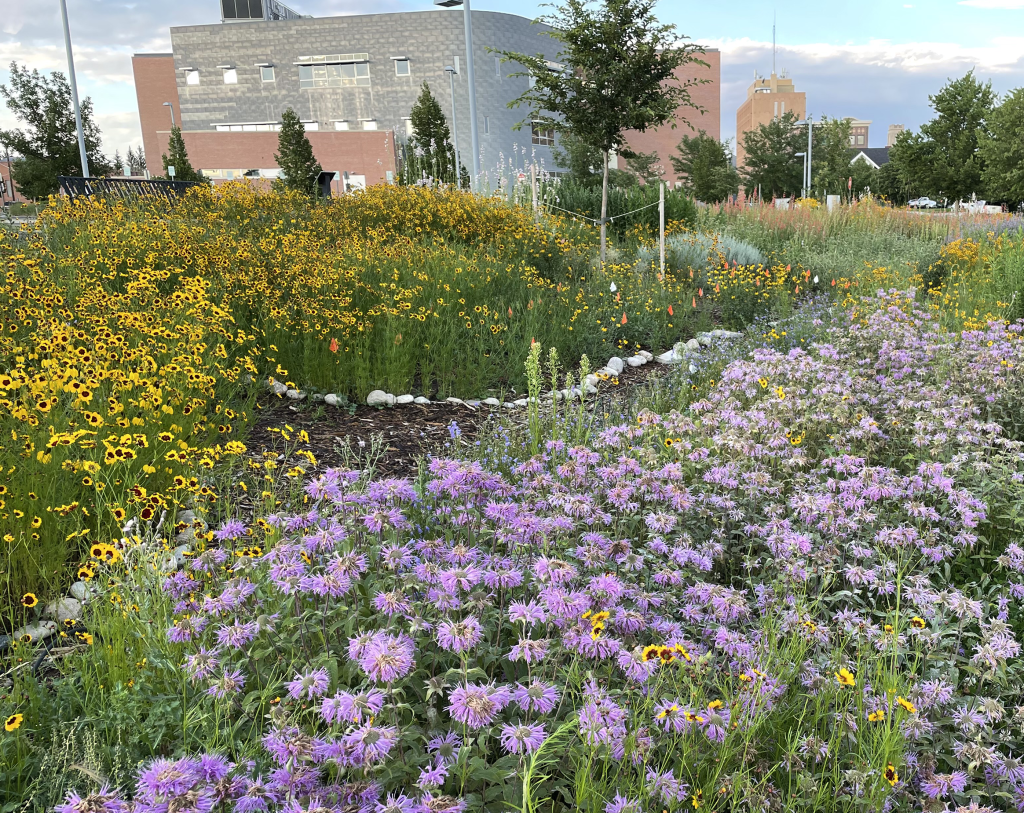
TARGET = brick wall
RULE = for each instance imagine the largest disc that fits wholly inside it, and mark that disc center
(12, 193)
(154, 85)
(664, 140)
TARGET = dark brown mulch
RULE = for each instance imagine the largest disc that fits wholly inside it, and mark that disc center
(407, 433)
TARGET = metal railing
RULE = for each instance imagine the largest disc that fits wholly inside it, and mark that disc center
(124, 188)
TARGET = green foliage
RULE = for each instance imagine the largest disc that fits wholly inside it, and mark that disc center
(429, 153)
(622, 205)
(645, 165)
(831, 156)
(707, 172)
(299, 168)
(863, 177)
(177, 157)
(1002, 150)
(771, 161)
(943, 159)
(583, 163)
(48, 145)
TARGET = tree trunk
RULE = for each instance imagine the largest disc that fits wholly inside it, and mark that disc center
(604, 208)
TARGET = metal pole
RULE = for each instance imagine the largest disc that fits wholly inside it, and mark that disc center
(810, 129)
(74, 89)
(661, 218)
(474, 135)
(171, 106)
(455, 133)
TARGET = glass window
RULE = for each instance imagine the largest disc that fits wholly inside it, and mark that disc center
(341, 125)
(542, 136)
(267, 73)
(408, 128)
(369, 125)
(402, 67)
(191, 77)
(860, 139)
(230, 76)
(347, 74)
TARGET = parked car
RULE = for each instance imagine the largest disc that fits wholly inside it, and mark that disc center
(922, 203)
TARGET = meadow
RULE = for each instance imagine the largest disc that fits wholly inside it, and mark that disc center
(790, 580)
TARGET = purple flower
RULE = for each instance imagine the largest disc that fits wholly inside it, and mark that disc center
(527, 613)
(671, 716)
(372, 743)
(232, 529)
(665, 785)
(940, 785)
(256, 797)
(477, 706)
(202, 664)
(538, 696)
(345, 707)
(227, 684)
(522, 738)
(312, 684)
(716, 721)
(387, 658)
(445, 748)
(433, 776)
(101, 801)
(397, 804)
(391, 603)
(529, 650)
(185, 629)
(287, 744)
(237, 635)
(459, 636)
(620, 804)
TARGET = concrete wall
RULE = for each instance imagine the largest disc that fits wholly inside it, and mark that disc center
(429, 39)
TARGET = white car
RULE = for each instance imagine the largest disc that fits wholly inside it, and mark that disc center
(922, 203)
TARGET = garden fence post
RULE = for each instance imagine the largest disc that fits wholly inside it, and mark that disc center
(661, 224)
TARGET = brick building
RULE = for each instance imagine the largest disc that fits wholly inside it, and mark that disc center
(353, 81)
(12, 195)
(766, 99)
(859, 133)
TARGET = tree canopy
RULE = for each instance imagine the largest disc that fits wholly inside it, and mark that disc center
(299, 168)
(177, 157)
(1002, 151)
(47, 146)
(772, 163)
(830, 156)
(707, 173)
(430, 154)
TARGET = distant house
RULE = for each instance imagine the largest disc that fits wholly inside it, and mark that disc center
(875, 156)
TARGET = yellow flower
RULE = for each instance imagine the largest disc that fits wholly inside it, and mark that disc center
(845, 678)
(13, 722)
(917, 622)
(891, 776)
(906, 704)
(876, 716)
(29, 600)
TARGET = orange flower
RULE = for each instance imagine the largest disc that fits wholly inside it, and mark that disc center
(624, 317)
(669, 310)
(334, 345)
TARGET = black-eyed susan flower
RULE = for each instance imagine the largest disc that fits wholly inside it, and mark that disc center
(13, 722)
(29, 600)
(845, 678)
(891, 775)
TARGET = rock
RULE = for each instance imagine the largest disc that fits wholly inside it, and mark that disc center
(64, 609)
(278, 388)
(590, 389)
(404, 399)
(591, 380)
(379, 398)
(509, 405)
(616, 364)
(521, 402)
(636, 361)
(419, 399)
(726, 334)
(186, 537)
(80, 591)
(179, 554)
(693, 345)
(316, 398)
(704, 339)
(693, 369)
(456, 401)
(332, 400)
(670, 357)
(492, 402)
(168, 564)
(37, 632)
(646, 354)
(473, 403)
(295, 395)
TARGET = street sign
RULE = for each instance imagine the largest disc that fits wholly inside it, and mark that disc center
(170, 171)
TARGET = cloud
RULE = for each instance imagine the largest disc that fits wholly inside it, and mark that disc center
(999, 4)
(886, 82)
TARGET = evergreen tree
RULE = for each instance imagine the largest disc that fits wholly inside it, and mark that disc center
(136, 161)
(1003, 151)
(299, 168)
(703, 162)
(118, 164)
(771, 162)
(48, 146)
(432, 154)
(177, 157)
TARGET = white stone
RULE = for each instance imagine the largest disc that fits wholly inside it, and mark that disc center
(169, 564)
(636, 361)
(80, 591)
(456, 401)
(670, 357)
(295, 395)
(591, 380)
(419, 399)
(693, 369)
(332, 400)
(491, 402)
(509, 405)
(179, 554)
(278, 388)
(693, 345)
(705, 339)
(590, 389)
(473, 402)
(316, 398)
(39, 631)
(60, 611)
(405, 399)
(725, 334)
(647, 354)
(380, 398)
(521, 402)
(616, 364)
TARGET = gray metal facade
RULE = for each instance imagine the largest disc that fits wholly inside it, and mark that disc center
(429, 40)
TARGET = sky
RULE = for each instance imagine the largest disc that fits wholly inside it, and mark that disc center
(869, 59)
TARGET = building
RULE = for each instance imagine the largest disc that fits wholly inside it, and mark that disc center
(766, 99)
(228, 84)
(12, 194)
(875, 157)
(706, 95)
(859, 133)
(894, 133)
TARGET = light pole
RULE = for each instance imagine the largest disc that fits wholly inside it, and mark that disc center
(74, 90)
(803, 191)
(448, 69)
(807, 158)
(474, 135)
(168, 104)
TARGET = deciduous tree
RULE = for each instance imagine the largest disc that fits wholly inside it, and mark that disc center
(703, 162)
(1002, 151)
(772, 163)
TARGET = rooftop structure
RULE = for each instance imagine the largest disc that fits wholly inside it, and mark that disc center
(767, 99)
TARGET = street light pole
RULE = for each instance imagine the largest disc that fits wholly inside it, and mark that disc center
(168, 104)
(74, 90)
(803, 191)
(474, 133)
(455, 128)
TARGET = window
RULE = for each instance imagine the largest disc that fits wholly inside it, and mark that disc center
(497, 66)
(267, 73)
(349, 74)
(310, 126)
(487, 125)
(191, 77)
(230, 76)
(370, 124)
(249, 127)
(860, 139)
(542, 136)
(341, 125)
(402, 67)
(776, 113)
(853, 140)
(408, 127)
(455, 59)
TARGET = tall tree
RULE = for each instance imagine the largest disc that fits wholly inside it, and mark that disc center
(432, 154)
(583, 163)
(772, 163)
(299, 168)
(831, 156)
(646, 166)
(943, 159)
(863, 178)
(177, 157)
(136, 161)
(48, 146)
(618, 74)
(705, 166)
(1002, 151)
